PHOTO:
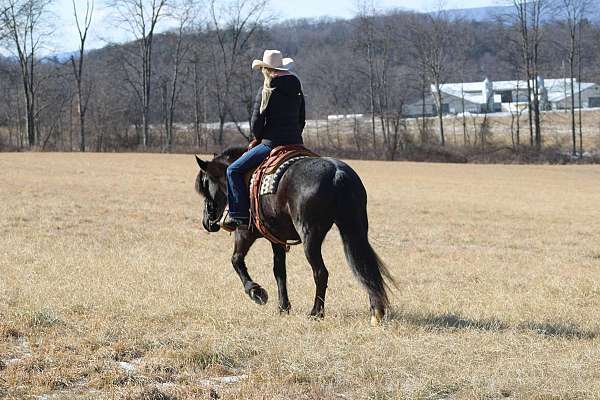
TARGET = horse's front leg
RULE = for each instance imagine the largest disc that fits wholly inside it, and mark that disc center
(244, 239)
(280, 277)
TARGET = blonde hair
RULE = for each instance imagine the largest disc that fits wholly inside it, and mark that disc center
(267, 90)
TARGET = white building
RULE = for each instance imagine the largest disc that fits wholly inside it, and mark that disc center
(487, 96)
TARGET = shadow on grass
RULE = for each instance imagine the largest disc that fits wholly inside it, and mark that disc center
(558, 329)
(447, 321)
(457, 321)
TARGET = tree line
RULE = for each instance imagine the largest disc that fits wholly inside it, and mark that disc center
(190, 88)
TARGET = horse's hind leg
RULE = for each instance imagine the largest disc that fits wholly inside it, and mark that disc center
(367, 266)
(312, 240)
(280, 277)
(243, 241)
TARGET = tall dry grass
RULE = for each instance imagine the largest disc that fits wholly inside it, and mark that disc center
(343, 134)
(110, 289)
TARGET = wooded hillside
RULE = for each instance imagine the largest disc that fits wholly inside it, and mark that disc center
(177, 91)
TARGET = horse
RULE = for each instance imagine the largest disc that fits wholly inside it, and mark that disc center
(313, 194)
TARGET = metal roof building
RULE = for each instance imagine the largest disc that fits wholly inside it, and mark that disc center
(488, 96)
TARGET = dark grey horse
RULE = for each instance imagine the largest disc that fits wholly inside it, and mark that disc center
(313, 194)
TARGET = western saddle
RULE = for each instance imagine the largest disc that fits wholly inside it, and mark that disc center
(265, 180)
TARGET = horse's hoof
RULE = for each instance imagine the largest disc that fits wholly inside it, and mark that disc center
(285, 309)
(376, 318)
(259, 295)
(317, 315)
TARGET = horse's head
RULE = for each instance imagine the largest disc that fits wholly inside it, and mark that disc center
(211, 183)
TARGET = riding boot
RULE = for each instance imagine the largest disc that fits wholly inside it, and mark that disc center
(231, 224)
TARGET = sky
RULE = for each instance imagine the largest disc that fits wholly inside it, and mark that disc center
(104, 30)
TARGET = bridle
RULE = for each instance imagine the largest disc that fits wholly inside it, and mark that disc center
(210, 207)
(211, 211)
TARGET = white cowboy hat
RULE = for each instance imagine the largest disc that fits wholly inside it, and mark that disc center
(274, 60)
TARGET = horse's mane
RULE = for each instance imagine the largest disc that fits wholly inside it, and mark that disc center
(230, 154)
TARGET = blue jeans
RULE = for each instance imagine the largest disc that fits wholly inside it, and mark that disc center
(237, 192)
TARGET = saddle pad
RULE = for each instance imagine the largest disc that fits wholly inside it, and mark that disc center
(270, 182)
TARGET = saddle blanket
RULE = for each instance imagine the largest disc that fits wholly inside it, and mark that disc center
(270, 182)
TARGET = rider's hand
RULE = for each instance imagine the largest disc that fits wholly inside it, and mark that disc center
(252, 144)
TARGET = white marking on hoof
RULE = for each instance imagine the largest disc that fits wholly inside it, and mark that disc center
(376, 318)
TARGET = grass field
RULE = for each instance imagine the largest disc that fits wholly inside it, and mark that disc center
(110, 289)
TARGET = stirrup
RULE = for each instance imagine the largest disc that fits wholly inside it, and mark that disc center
(231, 224)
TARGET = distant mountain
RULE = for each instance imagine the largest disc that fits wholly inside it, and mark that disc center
(63, 56)
(481, 14)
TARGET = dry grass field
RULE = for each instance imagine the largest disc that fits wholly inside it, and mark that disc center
(556, 130)
(110, 289)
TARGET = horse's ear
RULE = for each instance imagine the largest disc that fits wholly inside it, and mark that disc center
(202, 164)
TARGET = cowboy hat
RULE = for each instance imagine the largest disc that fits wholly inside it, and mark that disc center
(274, 60)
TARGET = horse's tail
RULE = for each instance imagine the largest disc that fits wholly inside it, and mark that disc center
(351, 220)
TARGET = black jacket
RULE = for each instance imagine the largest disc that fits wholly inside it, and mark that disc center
(282, 122)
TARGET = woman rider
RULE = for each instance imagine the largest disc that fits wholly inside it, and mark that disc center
(278, 119)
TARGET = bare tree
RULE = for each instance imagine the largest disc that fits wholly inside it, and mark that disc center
(461, 59)
(528, 18)
(512, 56)
(184, 15)
(140, 18)
(431, 39)
(574, 13)
(25, 29)
(464, 111)
(245, 88)
(515, 119)
(580, 31)
(522, 22)
(11, 113)
(55, 98)
(337, 79)
(84, 88)
(366, 39)
(425, 87)
(391, 89)
(380, 42)
(234, 24)
(436, 63)
(197, 63)
(538, 9)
